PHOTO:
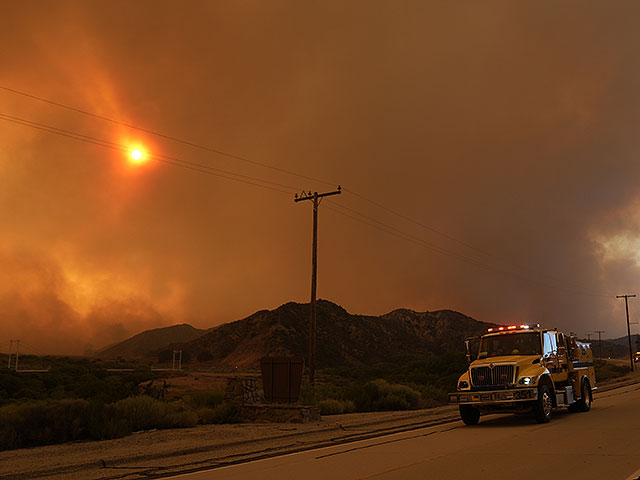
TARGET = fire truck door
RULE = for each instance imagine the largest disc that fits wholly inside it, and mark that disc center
(563, 359)
(550, 353)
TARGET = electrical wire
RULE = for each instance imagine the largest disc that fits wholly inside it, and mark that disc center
(253, 162)
(123, 148)
(416, 222)
(410, 238)
(165, 136)
(208, 170)
(162, 158)
(39, 356)
(432, 246)
(234, 176)
(490, 256)
(33, 351)
(231, 155)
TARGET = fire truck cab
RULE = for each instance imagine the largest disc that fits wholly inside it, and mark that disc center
(526, 369)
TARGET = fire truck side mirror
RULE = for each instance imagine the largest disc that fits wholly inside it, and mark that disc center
(472, 346)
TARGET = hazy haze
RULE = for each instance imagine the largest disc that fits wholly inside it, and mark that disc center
(509, 126)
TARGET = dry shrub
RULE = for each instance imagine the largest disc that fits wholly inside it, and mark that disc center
(206, 398)
(331, 406)
(223, 413)
(59, 421)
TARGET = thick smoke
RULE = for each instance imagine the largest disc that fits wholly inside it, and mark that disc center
(511, 127)
(37, 308)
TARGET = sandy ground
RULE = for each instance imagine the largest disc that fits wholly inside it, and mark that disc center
(159, 453)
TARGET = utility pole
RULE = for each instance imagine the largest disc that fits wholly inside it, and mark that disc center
(315, 197)
(626, 304)
(600, 332)
(177, 360)
(588, 337)
(17, 355)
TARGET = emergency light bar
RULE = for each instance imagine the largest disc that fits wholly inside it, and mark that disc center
(513, 327)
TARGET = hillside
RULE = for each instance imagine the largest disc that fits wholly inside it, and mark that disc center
(342, 338)
(144, 343)
(614, 347)
(622, 341)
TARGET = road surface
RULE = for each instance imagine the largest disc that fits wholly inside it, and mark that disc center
(601, 444)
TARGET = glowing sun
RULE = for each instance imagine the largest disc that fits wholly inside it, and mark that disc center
(137, 156)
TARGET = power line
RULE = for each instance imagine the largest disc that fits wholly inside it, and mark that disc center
(416, 222)
(124, 148)
(190, 165)
(213, 171)
(162, 158)
(404, 235)
(165, 136)
(410, 238)
(225, 174)
(38, 355)
(34, 352)
(261, 164)
(527, 270)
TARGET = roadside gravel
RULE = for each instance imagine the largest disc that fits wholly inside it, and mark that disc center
(159, 453)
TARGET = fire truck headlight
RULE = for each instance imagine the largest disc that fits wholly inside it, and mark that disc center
(463, 384)
(527, 380)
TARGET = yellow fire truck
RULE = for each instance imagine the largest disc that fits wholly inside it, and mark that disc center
(526, 369)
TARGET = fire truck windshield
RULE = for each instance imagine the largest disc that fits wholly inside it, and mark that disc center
(525, 343)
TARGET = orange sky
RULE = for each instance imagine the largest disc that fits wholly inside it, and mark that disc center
(511, 127)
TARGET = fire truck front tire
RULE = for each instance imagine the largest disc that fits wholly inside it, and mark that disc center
(584, 404)
(544, 405)
(469, 414)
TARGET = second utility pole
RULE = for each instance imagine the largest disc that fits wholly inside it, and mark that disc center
(315, 198)
(600, 332)
(626, 304)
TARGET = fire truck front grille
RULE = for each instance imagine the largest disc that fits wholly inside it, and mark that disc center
(499, 375)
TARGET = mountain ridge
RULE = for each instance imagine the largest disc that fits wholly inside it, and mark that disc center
(343, 339)
(149, 340)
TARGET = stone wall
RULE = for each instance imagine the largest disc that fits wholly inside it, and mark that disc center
(242, 391)
(279, 414)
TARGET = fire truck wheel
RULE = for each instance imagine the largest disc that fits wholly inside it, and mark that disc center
(584, 404)
(469, 415)
(544, 405)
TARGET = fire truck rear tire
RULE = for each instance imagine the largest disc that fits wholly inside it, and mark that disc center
(544, 405)
(584, 404)
(469, 414)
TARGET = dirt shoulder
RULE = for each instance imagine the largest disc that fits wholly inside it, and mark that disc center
(159, 453)
(166, 452)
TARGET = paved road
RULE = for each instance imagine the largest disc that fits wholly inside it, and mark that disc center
(601, 444)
